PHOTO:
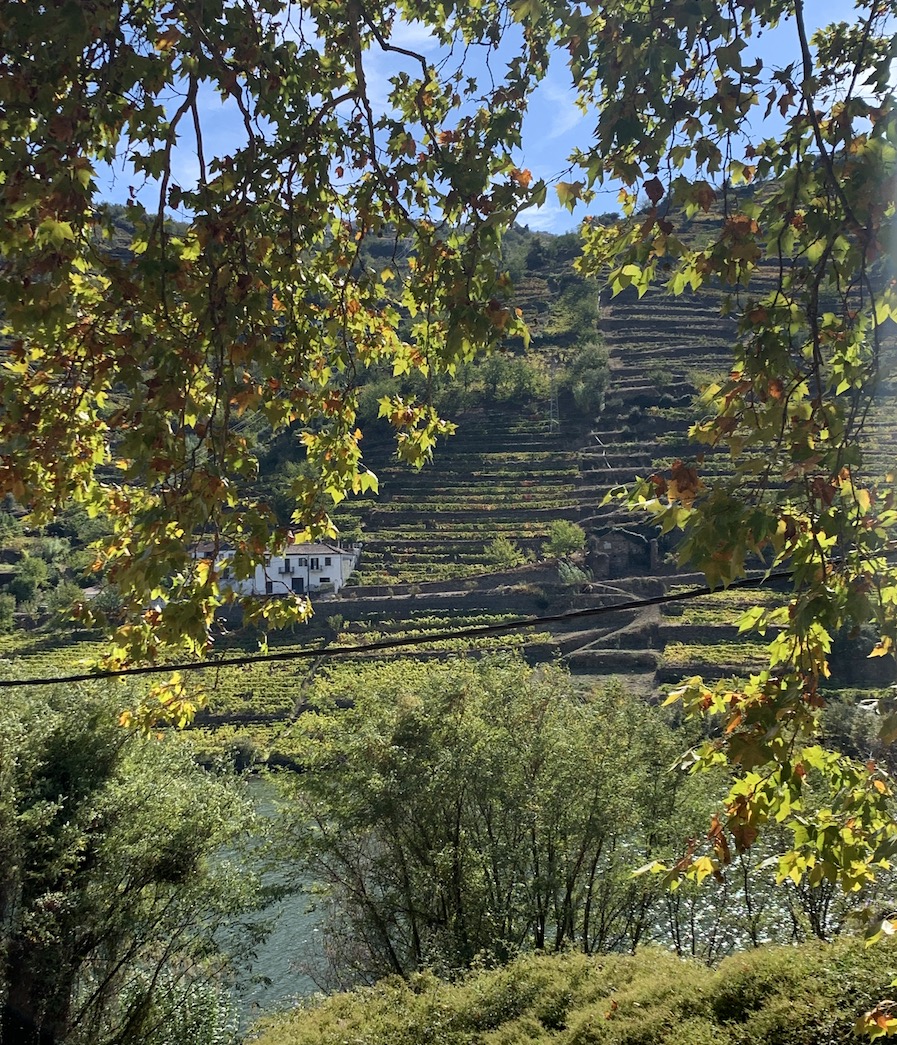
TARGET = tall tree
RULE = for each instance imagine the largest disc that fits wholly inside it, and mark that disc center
(458, 810)
(115, 898)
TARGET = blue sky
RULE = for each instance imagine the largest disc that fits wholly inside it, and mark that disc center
(553, 126)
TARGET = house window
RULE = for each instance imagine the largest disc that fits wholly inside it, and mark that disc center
(315, 564)
(325, 580)
(269, 587)
(303, 562)
(326, 562)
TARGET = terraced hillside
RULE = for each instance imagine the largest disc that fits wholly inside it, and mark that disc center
(514, 468)
(509, 472)
(432, 564)
(501, 475)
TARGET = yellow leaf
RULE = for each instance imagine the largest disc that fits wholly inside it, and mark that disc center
(703, 867)
(569, 192)
(883, 648)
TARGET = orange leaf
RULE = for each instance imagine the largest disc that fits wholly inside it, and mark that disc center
(168, 39)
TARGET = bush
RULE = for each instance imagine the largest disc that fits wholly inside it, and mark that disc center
(806, 995)
(108, 601)
(503, 553)
(570, 573)
(7, 609)
(588, 377)
(564, 538)
(60, 600)
(335, 622)
(800, 995)
(29, 579)
(442, 813)
(9, 525)
(51, 549)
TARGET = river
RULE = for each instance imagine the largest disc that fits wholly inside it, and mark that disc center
(275, 979)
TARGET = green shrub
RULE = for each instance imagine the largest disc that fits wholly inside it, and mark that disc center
(698, 1030)
(7, 609)
(9, 525)
(802, 995)
(335, 622)
(60, 600)
(570, 573)
(116, 891)
(503, 552)
(29, 579)
(564, 538)
(588, 377)
(805, 995)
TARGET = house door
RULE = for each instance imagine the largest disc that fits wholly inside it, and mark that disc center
(299, 585)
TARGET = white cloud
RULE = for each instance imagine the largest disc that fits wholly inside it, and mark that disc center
(550, 217)
(415, 36)
(560, 101)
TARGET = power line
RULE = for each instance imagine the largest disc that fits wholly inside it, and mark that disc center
(476, 631)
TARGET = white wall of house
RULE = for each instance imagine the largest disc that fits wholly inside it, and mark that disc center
(300, 569)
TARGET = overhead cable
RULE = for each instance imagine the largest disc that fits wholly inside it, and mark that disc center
(331, 652)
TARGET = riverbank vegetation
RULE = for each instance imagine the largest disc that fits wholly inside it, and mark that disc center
(460, 813)
(119, 913)
(801, 995)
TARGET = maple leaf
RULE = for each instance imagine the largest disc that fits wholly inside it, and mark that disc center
(654, 190)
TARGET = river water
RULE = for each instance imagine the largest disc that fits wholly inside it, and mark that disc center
(276, 979)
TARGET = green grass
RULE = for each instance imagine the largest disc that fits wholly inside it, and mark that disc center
(748, 655)
(723, 607)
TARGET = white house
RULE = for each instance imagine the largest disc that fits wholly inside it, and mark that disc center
(298, 569)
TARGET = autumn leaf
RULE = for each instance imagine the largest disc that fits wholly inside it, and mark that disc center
(882, 647)
(569, 192)
(684, 484)
(654, 190)
(703, 195)
(166, 40)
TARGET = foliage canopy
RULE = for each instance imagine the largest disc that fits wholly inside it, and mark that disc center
(805, 263)
(457, 810)
(454, 813)
(127, 376)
